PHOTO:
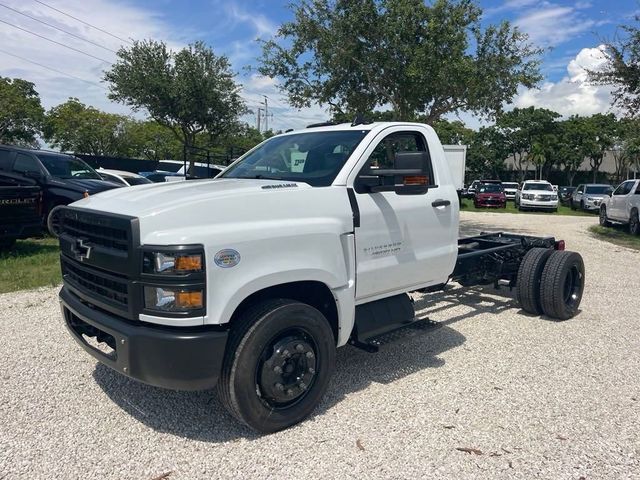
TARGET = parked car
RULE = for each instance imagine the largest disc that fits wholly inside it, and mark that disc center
(123, 178)
(589, 196)
(471, 191)
(490, 195)
(20, 209)
(63, 178)
(536, 195)
(622, 206)
(160, 176)
(564, 194)
(510, 189)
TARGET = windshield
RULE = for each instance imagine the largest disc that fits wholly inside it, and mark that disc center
(510, 185)
(538, 186)
(170, 166)
(138, 180)
(598, 189)
(314, 158)
(66, 166)
(490, 188)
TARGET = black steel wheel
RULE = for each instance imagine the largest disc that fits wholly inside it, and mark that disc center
(562, 285)
(528, 280)
(279, 359)
(604, 221)
(634, 223)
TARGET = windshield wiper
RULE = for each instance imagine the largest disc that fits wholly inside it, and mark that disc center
(263, 177)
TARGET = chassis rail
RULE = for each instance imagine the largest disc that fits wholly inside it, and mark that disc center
(490, 257)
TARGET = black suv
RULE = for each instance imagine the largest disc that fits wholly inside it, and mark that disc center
(63, 178)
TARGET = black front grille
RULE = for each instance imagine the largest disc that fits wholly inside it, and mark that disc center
(106, 287)
(95, 230)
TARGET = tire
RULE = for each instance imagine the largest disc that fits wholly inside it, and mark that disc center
(581, 205)
(604, 221)
(572, 205)
(289, 335)
(529, 277)
(520, 208)
(53, 221)
(634, 223)
(562, 285)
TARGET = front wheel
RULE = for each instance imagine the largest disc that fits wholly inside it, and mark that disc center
(279, 360)
(604, 221)
(54, 220)
(634, 223)
(562, 284)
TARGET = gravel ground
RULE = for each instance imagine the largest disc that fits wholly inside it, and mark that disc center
(536, 398)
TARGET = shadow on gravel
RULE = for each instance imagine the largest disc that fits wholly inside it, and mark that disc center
(200, 416)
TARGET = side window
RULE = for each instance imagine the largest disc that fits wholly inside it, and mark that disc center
(5, 159)
(628, 186)
(580, 189)
(383, 155)
(25, 163)
(620, 189)
(638, 189)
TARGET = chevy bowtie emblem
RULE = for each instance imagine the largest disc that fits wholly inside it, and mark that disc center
(81, 251)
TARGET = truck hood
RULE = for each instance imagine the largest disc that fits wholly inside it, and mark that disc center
(158, 198)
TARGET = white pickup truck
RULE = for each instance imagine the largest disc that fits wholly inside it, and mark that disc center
(309, 242)
(622, 206)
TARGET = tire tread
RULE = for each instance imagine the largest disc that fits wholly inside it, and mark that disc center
(529, 277)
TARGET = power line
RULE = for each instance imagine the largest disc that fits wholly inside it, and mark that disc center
(86, 23)
(57, 28)
(57, 43)
(53, 69)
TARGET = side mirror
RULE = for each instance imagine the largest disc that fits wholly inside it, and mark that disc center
(610, 194)
(411, 175)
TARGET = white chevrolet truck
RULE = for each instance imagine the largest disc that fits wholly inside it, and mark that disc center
(309, 242)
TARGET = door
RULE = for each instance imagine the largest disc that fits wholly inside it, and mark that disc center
(577, 195)
(403, 241)
(618, 203)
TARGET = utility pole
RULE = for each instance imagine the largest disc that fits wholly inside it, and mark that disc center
(266, 113)
(259, 114)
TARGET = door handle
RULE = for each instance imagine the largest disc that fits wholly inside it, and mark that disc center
(440, 203)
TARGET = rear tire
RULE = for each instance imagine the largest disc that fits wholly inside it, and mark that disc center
(572, 205)
(529, 277)
(634, 223)
(581, 205)
(604, 221)
(562, 285)
(279, 359)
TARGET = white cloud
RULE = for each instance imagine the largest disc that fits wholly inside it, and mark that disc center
(261, 24)
(550, 25)
(572, 95)
(120, 18)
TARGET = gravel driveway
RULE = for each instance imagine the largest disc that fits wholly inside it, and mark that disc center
(534, 398)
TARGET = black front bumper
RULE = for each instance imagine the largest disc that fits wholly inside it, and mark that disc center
(177, 358)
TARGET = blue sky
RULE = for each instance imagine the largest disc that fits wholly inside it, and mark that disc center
(569, 30)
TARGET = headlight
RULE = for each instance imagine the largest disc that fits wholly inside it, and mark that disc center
(170, 299)
(554, 197)
(527, 196)
(172, 263)
(590, 199)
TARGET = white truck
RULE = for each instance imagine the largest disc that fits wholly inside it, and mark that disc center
(250, 281)
(622, 206)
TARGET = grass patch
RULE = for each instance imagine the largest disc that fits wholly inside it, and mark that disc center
(467, 206)
(31, 263)
(616, 235)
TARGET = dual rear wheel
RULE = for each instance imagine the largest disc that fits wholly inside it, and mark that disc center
(551, 282)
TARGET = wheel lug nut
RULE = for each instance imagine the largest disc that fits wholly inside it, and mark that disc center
(312, 371)
(299, 347)
(279, 387)
(302, 385)
(309, 354)
(289, 392)
(277, 369)
(286, 354)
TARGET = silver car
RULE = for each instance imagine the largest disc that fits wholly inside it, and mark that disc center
(589, 196)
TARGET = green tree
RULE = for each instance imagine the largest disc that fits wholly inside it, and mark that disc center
(576, 141)
(521, 128)
(622, 68)
(21, 112)
(602, 129)
(487, 153)
(74, 126)
(453, 133)
(148, 139)
(190, 92)
(414, 58)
